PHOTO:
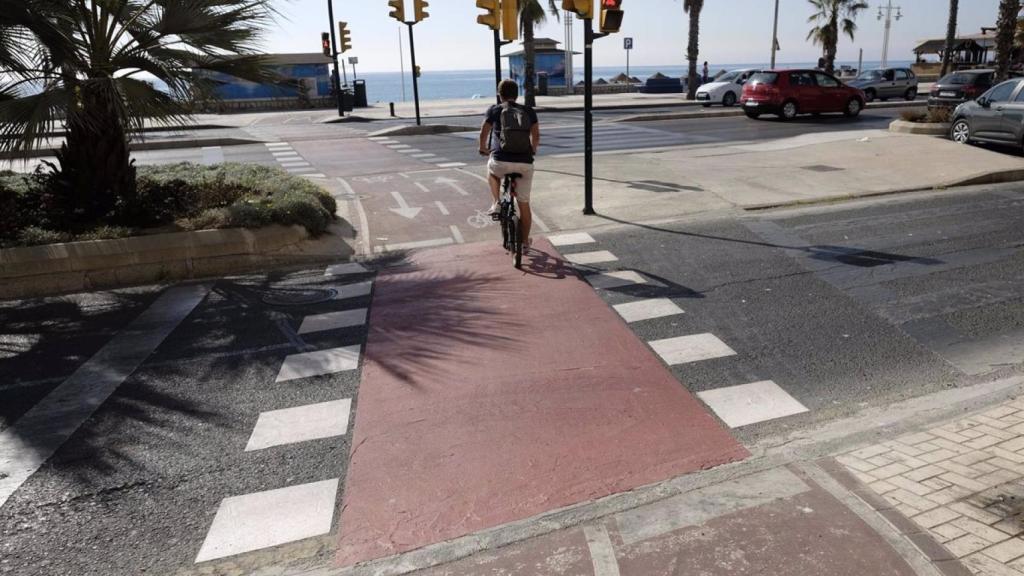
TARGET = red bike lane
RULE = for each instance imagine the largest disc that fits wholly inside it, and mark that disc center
(490, 395)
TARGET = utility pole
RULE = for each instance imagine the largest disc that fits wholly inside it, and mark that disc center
(401, 63)
(334, 56)
(569, 80)
(415, 72)
(588, 115)
(886, 12)
(775, 34)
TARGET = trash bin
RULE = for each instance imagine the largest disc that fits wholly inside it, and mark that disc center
(542, 84)
(361, 94)
(348, 99)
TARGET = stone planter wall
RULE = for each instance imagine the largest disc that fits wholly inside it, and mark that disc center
(77, 266)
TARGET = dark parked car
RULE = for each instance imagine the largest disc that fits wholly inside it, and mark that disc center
(885, 83)
(787, 93)
(997, 116)
(959, 87)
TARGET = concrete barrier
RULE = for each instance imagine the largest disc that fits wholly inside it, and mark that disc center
(77, 266)
(922, 128)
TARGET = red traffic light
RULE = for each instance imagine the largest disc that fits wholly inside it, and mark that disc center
(614, 4)
(325, 43)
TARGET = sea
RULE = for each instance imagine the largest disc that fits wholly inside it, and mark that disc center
(458, 84)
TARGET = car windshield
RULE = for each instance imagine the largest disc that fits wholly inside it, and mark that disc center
(870, 75)
(958, 79)
(730, 77)
(764, 78)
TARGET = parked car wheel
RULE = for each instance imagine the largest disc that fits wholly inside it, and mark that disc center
(729, 100)
(706, 105)
(853, 108)
(870, 95)
(960, 132)
(752, 114)
(789, 110)
(911, 94)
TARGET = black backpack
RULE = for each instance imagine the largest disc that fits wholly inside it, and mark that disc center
(516, 126)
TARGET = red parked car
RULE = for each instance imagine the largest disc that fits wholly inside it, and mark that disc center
(787, 93)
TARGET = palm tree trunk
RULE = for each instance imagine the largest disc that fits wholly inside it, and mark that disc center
(1006, 29)
(96, 170)
(832, 46)
(693, 52)
(947, 54)
(531, 64)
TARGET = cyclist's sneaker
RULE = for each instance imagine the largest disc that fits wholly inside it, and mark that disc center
(493, 209)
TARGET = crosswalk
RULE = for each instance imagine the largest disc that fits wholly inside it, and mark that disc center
(417, 153)
(738, 405)
(291, 161)
(570, 139)
(250, 522)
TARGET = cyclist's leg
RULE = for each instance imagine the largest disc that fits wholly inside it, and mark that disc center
(494, 176)
(524, 186)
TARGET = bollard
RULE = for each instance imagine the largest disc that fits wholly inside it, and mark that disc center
(392, 109)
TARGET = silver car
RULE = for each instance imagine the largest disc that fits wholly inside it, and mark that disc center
(885, 83)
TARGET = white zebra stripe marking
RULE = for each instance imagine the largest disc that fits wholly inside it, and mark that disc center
(648, 309)
(300, 424)
(319, 363)
(751, 403)
(694, 348)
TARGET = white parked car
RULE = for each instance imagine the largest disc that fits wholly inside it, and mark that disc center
(725, 89)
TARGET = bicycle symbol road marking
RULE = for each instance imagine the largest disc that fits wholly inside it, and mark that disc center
(480, 220)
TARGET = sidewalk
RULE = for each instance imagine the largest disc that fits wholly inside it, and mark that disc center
(810, 168)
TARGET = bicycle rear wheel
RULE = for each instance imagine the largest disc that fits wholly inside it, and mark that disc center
(517, 243)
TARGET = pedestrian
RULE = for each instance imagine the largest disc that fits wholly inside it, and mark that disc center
(707, 75)
(822, 63)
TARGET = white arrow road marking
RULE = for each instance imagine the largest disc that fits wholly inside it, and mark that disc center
(453, 184)
(403, 207)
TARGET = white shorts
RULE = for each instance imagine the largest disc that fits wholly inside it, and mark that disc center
(524, 185)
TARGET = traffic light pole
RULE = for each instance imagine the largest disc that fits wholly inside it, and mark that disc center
(497, 62)
(334, 53)
(415, 77)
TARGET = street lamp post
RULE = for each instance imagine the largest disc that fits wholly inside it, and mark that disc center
(775, 33)
(886, 12)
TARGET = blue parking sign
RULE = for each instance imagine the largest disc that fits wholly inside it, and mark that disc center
(628, 42)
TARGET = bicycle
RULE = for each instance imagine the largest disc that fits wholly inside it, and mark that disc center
(508, 216)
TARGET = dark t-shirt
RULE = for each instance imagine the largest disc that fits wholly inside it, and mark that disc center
(494, 119)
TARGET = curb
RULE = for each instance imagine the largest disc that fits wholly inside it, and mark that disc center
(997, 177)
(920, 128)
(141, 146)
(426, 129)
(739, 112)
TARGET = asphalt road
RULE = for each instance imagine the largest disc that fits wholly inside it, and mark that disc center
(842, 306)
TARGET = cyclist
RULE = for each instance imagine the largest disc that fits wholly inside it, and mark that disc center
(510, 135)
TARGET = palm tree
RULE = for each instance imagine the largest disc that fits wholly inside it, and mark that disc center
(693, 8)
(947, 54)
(531, 13)
(830, 18)
(89, 66)
(1006, 30)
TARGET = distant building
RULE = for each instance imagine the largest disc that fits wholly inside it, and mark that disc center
(550, 59)
(312, 70)
(969, 51)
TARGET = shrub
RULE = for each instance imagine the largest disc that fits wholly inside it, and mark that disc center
(912, 116)
(940, 115)
(35, 236)
(194, 197)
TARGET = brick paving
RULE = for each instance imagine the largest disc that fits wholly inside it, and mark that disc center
(962, 482)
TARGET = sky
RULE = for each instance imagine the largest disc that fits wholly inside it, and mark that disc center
(732, 31)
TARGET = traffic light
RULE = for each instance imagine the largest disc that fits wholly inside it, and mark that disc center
(344, 38)
(583, 8)
(510, 20)
(325, 43)
(397, 9)
(490, 19)
(420, 7)
(611, 16)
